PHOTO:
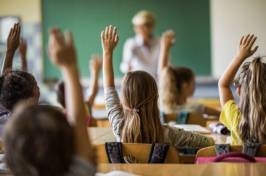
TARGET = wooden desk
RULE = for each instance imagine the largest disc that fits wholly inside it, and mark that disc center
(102, 135)
(154, 169)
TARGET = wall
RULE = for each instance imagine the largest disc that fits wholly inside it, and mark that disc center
(230, 20)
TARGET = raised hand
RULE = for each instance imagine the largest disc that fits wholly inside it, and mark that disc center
(96, 63)
(168, 40)
(13, 38)
(109, 40)
(22, 48)
(245, 45)
(61, 51)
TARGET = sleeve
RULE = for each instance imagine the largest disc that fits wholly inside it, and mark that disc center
(80, 167)
(127, 56)
(182, 138)
(230, 115)
(114, 110)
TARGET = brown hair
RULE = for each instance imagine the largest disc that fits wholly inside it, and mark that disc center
(171, 82)
(252, 105)
(15, 85)
(142, 125)
(60, 92)
(38, 142)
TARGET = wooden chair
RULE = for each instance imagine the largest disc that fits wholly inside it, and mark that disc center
(210, 151)
(192, 119)
(140, 151)
(100, 123)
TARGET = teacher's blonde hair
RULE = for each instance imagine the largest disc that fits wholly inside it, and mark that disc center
(143, 17)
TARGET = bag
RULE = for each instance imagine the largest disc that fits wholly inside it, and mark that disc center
(114, 152)
(231, 157)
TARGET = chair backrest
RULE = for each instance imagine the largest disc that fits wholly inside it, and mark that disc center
(99, 123)
(140, 151)
(210, 151)
(192, 119)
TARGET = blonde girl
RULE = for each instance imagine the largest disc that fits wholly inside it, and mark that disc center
(177, 84)
(248, 119)
(136, 118)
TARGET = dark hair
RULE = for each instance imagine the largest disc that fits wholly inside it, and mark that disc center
(60, 91)
(38, 141)
(15, 85)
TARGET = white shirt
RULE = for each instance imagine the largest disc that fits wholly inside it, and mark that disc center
(139, 56)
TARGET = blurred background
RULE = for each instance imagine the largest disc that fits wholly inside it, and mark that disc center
(207, 33)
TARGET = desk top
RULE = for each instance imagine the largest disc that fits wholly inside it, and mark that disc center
(102, 135)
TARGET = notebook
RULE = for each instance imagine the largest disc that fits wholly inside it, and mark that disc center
(194, 128)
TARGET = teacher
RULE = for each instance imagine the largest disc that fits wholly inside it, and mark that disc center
(142, 51)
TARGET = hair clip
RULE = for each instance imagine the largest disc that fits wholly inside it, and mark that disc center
(135, 110)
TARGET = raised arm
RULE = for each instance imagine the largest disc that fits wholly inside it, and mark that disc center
(109, 42)
(244, 51)
(12, 45)
(167, 41)
(22, 49)
(62, 54)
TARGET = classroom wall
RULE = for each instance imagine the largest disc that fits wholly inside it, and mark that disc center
(231, 19)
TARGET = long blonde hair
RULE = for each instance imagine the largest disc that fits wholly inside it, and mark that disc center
(139, 102)
(170, 84)
(252, 105)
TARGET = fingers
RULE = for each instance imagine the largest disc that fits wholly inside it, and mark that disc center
(244, 42)
(114, 33)
(106, 33)
(10, 33)
(254, 50)
(18, 31)
(69, 37)
(252, 42)
(249, 39)
(102, 35)
(241, 40)
(14, 29)
(116, 38)
(110, 32)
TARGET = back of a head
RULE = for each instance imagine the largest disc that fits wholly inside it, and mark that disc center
(252, 105)
(142, 124)
(15, 85)
(60, 92)
(38, 141)
(171, 81)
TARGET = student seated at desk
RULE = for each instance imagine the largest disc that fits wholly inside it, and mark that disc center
(38, 140)
(95, 68)
(136, 119)
(248, 120)
(177, 84)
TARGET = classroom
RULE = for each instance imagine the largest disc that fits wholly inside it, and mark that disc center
(133, 88)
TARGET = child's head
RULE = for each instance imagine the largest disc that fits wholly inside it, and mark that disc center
(38, 141)
(142, 124)
(176, 83)
(60, 92)
(252, 105)
(17, 85)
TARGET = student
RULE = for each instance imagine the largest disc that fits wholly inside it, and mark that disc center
(15, 85)
(38, 140)
(136, 118)
(95, 68)
(177, 84)
(246, 121)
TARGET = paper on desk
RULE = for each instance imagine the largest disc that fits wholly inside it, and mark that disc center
(228, 140)
(115, 173)
(194, 128)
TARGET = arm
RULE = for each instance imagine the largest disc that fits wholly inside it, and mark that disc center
(167, 41)
(63, 55)
(22, 49)
(95, 67)
(211, 112)
(12, 45)
(244, 51)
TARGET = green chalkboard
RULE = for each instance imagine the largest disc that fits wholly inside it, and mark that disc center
(190, 19)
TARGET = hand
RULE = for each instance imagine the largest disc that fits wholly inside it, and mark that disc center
(62, 52)
(109, 41)
(13, 38)
(22, 48)
(244, 47)
(96, 63)
(168, 40)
